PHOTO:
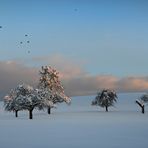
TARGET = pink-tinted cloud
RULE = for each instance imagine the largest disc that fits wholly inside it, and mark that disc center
(91, 84)
(130, 84)
(67, 67)
(74, 78)
(88, 85)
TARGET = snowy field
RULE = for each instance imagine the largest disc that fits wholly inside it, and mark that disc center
(79, 125)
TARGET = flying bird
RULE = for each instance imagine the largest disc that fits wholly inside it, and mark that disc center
(26, 35)
(0, 26)
(28, 41)
(21, 42)
(75, 9)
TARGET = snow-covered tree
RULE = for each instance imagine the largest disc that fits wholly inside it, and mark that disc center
(12, 102)
(142, 101)
(23, 97)
(105, 98)
(49, 81)
(46, 99)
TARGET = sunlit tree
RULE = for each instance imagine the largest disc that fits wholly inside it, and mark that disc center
(105, 98)
(49, 81)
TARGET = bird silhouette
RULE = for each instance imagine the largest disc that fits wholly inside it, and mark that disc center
(75, 9)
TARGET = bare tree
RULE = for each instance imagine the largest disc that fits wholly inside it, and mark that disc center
(142, 101)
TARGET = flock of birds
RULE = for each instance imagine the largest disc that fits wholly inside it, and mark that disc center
(26, 35)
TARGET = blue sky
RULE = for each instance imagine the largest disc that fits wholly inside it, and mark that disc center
(110, 37)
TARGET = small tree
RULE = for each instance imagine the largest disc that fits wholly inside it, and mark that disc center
(23, 97)
(49, 81)
(142, 101)
(13, 101)
(46, 99)
(105, 98)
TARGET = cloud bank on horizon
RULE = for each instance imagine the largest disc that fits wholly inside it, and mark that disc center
(75, 79)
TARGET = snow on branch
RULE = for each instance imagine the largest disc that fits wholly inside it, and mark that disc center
(105, 98)
(49, 81)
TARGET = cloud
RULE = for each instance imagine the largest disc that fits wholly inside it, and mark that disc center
(91, 84)
(74, 78)
(67, 67)
(88, 85)
(130, 84)
(13, 73)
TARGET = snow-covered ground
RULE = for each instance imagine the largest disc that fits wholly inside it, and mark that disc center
(79, 125)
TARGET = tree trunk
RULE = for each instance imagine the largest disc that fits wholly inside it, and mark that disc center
(30, 114)
(106, 108)
(141, 105)
(142, 109)
(16, 113)
(49, 110)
